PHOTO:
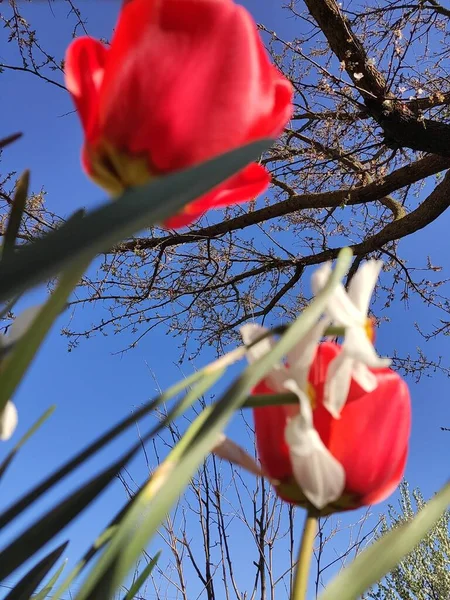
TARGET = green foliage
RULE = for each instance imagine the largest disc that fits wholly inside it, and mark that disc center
(388, 551)
(424, 573)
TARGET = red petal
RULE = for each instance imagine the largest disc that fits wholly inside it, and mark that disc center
(247, 184)
(84, 69)
(270, 423)
(371, 438)
(188, 80)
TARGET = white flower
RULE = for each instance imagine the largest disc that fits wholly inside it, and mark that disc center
(350, 310)
(8, 417)
(319, 475)
(358, 76)
(8, 421)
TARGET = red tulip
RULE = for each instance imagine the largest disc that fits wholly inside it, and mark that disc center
(182, 82)
(369, 440)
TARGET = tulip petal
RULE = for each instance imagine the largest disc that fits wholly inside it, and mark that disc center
(188, 80)
(84, 70)
(363, 283)
(8, 421)
(249, 183)
(319, 475)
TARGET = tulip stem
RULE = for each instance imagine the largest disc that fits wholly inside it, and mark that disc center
(304, 558)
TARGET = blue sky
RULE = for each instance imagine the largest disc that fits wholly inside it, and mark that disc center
(94, 388)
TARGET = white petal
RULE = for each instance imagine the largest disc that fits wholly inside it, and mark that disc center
(22, 323)
(337, 384)
(236, 455)
(319, 475)
(364, 378)
(306, 416)
(358, 346)
(302, 354)
(251, 332)
(340, 308)
(8, 421)
(363, 283)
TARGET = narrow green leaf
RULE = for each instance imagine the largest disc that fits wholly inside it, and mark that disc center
(382, 556)
(136, 209)
(46, 527)
(45, 592)
(9, 140)
(18, 361)
(142, 578)
(205, 378)
(4, 465)
(28, 584)
(15, 216)
(256, 400)
(146, 515)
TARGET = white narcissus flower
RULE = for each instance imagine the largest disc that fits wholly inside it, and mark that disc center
(8, 421)
(350, 310)
(319, 475)
(8, 417)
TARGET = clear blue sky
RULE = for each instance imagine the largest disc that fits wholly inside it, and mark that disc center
(93, 388)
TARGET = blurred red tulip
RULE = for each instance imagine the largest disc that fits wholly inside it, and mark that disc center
(370, 439)
(182, 82)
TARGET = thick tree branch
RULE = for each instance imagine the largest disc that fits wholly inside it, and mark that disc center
(377, 190)
(401, 126)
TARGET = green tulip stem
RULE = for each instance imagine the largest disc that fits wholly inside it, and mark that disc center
(304, 558)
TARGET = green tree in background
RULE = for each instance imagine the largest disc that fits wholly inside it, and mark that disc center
(424, 574)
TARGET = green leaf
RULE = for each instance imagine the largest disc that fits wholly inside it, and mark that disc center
(18, 361)
(142, 578)
(28, 584)
(136, 209)
(15, 216)
(256, 400)
(375, 562)
(47, 526)
(155, 499)
(4, 465)
(45, 592)
(204, 378)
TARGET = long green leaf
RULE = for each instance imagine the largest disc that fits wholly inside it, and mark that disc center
(18, 361)
(28, 584)
(5, 464)
(136, 209)
(15, 216)
(46, 527)
(380, 558)
(205, 377)
(45, 592)
(146, 515)
(142, 578)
